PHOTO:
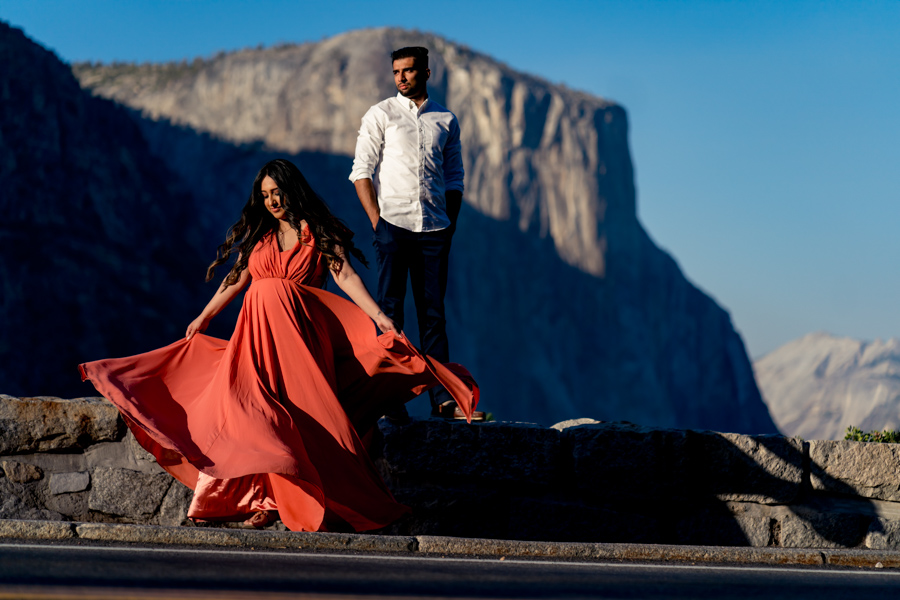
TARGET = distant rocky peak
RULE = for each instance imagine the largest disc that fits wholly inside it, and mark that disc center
(820, 384)
(553, 160)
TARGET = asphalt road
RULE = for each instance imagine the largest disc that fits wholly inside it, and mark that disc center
(30, 570)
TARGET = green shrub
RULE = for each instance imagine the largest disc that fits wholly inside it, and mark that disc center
(858, 435)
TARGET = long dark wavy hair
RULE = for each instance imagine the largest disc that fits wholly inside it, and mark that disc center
(300, 203)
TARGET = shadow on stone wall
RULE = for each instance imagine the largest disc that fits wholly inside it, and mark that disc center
(585, 481)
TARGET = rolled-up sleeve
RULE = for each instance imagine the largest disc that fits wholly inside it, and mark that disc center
(453, 166)
(368, 146)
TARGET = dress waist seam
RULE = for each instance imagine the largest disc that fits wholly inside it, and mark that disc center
(288, 279)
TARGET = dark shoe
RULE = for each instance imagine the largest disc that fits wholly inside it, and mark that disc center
(451, 411)
(397, 416)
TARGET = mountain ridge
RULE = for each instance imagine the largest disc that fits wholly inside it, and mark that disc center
(559, 302)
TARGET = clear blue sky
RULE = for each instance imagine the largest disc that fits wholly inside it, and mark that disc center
(764, 134)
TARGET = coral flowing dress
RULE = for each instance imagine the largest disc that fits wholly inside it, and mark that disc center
(272, 418)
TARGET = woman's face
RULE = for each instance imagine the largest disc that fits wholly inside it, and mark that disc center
(273, 198)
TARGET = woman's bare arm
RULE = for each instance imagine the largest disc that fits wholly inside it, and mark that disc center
(352, 284)
(221, 299)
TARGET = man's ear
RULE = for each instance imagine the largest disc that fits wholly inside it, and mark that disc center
(427, 74)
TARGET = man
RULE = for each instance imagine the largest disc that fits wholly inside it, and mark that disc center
(408, 175)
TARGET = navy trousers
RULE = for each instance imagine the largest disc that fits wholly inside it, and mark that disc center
(423, 258)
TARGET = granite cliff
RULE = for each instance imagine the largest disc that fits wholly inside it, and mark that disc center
(95, 247)
(559, 302)
(820, 384)
(553, 160)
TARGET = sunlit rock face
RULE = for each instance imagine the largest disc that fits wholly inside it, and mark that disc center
(558, 302)
(820, 384)
(545, 156)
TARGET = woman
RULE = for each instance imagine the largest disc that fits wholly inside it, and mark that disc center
(271, 420)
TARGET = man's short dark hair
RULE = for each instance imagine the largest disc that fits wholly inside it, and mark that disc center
(417, 52)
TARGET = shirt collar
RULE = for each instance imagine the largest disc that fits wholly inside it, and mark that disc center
(409, 104)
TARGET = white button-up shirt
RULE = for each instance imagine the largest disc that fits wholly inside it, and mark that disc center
(413, 156)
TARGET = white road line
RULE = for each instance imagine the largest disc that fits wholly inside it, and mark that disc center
(427, 558)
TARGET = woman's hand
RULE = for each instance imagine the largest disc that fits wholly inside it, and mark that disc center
(198, 325)
(385, 324)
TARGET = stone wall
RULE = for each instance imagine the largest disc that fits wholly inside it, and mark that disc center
(580, 480)
(74, 460)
